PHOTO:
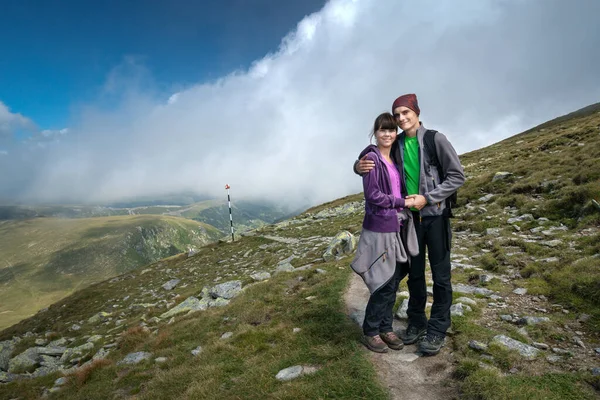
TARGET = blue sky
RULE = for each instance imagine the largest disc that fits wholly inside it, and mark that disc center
(56, 55)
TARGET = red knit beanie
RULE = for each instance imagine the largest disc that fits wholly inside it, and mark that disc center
(409, 101)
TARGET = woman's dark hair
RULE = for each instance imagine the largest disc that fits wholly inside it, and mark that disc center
(384, 121)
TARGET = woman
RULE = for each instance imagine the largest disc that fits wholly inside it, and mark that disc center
(388, 234)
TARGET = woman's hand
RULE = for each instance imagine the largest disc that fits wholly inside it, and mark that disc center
(409, 202)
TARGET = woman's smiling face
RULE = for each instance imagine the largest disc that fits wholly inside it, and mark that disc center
(385, 137)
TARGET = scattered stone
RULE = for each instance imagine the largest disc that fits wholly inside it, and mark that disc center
(99, 317)
(171, 284)
(459, 309)
(75, 327)
(583, 318)
(226, 335)
(551, 243)
(196, 351)
(506, 318)
(320, 271)
(296, 330)
(309, 298)
(135, 358)
(492, 232)
(41, 342)
(7, 377)
(550, 259)
(6, 349)
(58, 343)
(101, 354)
(486, 278)
(51, 350)
(557, 350)
(401, 313)
(501, 175)
(160, 360)
(466, 300)
(467, 289)
(60, 381)
(94, 338)
(479, 346)
(189, 304)
(523, 349)
(577, 340)
(520, 291)
(343, 243)
(541, 346)
(552, 359)
(595, 371)
(285, 267)
(486, 198)
(532, 320)
(79, 351)
(597, 350)
(24, 362)
(260, 276)
(226, 290)
(289, 373)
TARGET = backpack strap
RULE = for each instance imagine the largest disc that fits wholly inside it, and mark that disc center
(430, 150)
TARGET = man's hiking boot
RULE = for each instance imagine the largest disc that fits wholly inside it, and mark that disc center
(431, 345)
(374, 343)
(412, 334)
(392, 341)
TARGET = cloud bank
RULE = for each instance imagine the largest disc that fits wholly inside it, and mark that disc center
(289, 128)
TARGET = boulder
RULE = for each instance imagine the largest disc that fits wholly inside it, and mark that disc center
(27, 361)
(523, 349)
(479, 346)
(226, 290)
(501, 175)
(532, 320)
(135, 358)
(260, 276)
(486, 198)
(190, 304)
(171, 284)
(466, 300)
(289, 373)
(102, 316)
(51, 350)
(7, 377)
(76, 352)
(343, 243)
(459, 309)
(6, 349)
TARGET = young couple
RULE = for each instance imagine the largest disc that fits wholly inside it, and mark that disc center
(406, 185)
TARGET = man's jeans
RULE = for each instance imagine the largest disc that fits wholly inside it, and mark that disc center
(379, 313)
(435, 234)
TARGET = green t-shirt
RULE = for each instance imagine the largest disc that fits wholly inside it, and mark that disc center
(411, 165)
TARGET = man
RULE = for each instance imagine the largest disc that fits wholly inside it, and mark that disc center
(431, 218)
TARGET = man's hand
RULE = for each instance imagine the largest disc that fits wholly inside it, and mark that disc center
(409, 202)
(364, 165)
(419, 201)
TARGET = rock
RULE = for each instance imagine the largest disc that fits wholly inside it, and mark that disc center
(486, 278)
(27, 361)
(401, 313)
(58, 343)
(171, 284)
(552, 359)
(492, 232)
(7, 377)
(101, 354)
(520, 291)
(135, 358)
(75, 327)
(583, 318)
(190, 253)
(289, 373)
(226, 290)
(226, 335)
(459, 309)
(285, 267)
(196, 351)
(260, 276)
(218, 302)
(296, 330)
(320, 271)
(541, 346)
(467, 289)
(466, 300)
(41, 342)
(189, 304)
(551, 243)
(523, 349)
(343, 243)
(506, 318)
(6, 349)
(486, 198)
(100, 317)
(550, 259)
(563, 352)
(597, 350)
(595, 371)
(577, 340)
(60, 381)
(51, 350)
(74, 352)
(94, 338)
(160, 360)
(500, 176)
(532, 320)
(479, 346)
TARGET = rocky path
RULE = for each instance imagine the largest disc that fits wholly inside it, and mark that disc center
(406, 375)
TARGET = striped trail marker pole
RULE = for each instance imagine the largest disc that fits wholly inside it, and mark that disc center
(230, 217)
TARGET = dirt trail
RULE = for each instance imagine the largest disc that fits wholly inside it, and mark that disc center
(406, 375)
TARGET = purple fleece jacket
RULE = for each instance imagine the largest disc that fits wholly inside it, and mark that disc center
(380, 204)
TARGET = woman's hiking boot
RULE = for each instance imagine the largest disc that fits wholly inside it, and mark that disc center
(392, 341)
(413, 334)
(432, 344)
(375, 343)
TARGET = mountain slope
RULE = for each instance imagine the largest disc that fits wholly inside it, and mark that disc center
(45, 259)
(525, 260)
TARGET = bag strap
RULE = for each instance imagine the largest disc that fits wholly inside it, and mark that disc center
(430, 149)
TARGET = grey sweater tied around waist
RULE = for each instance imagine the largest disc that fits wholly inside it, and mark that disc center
(378, 252)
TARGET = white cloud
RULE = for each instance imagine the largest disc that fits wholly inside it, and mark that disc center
(11, 122)
(290, 127)
(3, 153)
(54, 132)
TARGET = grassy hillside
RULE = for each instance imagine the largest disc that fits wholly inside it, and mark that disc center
(535, 229)
(46, 259)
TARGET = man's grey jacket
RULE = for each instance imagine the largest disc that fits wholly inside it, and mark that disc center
(429, 179)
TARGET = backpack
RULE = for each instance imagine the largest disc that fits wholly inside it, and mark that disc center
(429, 148)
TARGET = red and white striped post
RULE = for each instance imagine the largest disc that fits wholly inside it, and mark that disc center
(230, 217)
